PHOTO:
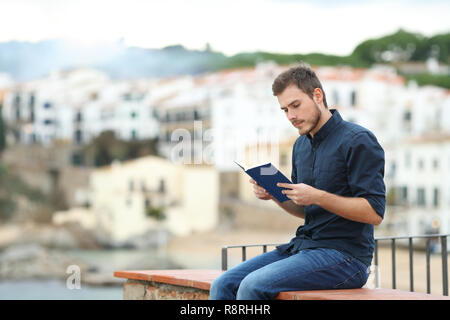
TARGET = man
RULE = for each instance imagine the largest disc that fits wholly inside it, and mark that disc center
(338, 189)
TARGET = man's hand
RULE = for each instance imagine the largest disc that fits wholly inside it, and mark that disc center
(301, 194)
(259, 191)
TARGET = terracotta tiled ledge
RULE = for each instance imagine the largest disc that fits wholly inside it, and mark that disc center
(167, 284)
(195, 284)
(358, 294)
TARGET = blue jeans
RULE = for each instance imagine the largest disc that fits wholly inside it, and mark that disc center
(264, 276)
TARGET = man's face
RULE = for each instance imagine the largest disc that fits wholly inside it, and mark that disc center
(300, 109)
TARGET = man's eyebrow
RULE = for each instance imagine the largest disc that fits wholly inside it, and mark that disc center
(296, 100)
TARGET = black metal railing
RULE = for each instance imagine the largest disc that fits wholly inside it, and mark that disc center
(393, 240)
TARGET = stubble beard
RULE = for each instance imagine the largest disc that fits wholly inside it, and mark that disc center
(314, 121)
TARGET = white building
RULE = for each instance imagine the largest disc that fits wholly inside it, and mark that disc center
(418, 173)
(124, 194)
(77, 105)
(369, 97)
(245, 113)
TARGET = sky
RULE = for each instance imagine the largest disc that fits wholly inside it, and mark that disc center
(229, 26)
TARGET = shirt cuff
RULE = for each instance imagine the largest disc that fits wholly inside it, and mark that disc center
(377, 205)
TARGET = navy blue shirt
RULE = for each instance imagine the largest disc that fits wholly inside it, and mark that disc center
(345, 159)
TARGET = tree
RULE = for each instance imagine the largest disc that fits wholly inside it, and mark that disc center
(2, 132)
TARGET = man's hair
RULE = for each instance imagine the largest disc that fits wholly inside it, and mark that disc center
(303, 77)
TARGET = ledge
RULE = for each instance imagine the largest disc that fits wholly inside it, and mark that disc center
(195, 284)
(197, 278)
(358, 294)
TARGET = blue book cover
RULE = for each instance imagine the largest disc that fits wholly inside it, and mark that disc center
(267, 176)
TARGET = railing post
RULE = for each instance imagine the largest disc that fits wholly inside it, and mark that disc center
(428, 265)
(394, 282)
(224, 258)
(444, 265)
(377, 284)
(244, 254)
(411, 271)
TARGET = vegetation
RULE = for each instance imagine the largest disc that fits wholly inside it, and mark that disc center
(12, 188)
(156, 213)
(401, 46)
(2, 132)
(430, 79)
(106, 148)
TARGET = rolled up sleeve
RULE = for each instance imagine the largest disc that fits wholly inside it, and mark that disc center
(365, 165)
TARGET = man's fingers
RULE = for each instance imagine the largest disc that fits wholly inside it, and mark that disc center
(259, 189)
(284, 185)
(288, 191)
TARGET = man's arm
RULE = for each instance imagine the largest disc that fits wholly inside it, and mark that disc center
(356, 209)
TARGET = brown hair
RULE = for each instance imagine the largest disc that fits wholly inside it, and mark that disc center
(303, 77)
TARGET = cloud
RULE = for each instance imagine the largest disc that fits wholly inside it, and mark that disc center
(230, 26)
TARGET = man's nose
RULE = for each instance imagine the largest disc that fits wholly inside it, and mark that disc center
(291, 114)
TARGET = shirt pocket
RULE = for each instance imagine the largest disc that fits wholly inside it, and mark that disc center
(332, 179)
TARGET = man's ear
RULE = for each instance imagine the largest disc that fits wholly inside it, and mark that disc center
(317, 95)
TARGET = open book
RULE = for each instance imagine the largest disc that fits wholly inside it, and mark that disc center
(267, 176)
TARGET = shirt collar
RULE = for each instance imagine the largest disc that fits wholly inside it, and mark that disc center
(329, 126)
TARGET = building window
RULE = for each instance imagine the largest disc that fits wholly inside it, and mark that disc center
(407, 116)
(404, 193)
(435, 163)
(421, 197)
(77, 159)
(353, 98)
(17, 100)
(162, 186)
(133, 134)
(133, 114)
(436, 197)
(17, 113)
(47, 105)
(407, 120)
(32, 115)
(79, 117)
(78, 136)
(48, 122)
(131, 185)
(421, 164)
(147, 203)
(32, 100)
(393, 169)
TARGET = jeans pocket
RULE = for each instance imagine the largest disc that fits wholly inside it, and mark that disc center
(352, 282)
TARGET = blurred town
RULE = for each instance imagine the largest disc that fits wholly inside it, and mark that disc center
(90, 162)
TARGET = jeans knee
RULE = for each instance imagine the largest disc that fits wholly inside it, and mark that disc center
(215, 289)
(251, 288)
(221, 288)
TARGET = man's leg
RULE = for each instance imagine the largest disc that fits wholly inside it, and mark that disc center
(226, 286)
(310, 269)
